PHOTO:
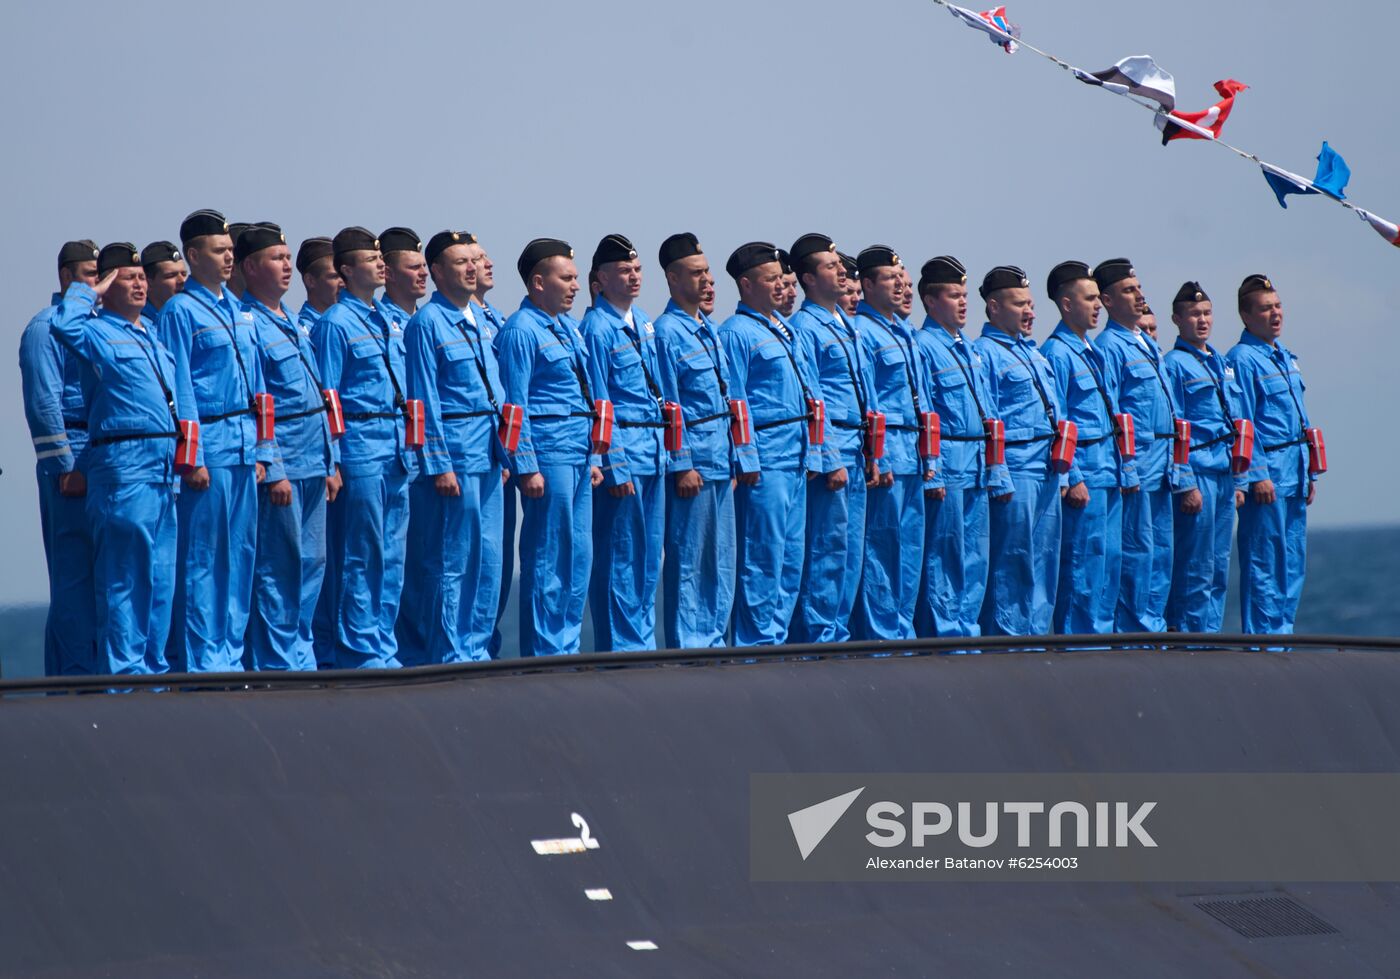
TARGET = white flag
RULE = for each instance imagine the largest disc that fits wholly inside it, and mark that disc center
(1138, 75)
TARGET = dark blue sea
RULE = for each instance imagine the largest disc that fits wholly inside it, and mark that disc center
(1353, 588)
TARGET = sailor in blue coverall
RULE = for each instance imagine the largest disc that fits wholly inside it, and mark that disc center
(835, 514)
(316, 266)
(211, 337)
(166, 274)
(405, 272)
(1137, 383)
(52, 382)
(1025, 523)
(894, 511)
(544, 367)
(1091, 551)
(956, 500)
(629, 514)
(291, 555)
(360, 353)
(454, 527)
(134, 408)
(1274, 518)
(1205, 387)
(770, 372)
(698, 567)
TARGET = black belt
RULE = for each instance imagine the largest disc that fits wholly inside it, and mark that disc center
(1285, 445)
(708, 418)
(302, 414)
(1227, 437)
(452, 416)
(80, 426)
(1093, 441)
(364, 416)
(901, 428)
(847, 425)
(1030, 441)
(963, 438)
(555, 418)
(1159, 435)
(207, 419)
(625, 424)
(763, 426)
(109, 439)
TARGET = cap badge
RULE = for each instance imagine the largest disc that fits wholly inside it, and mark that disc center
(1199, 297)
(1268, 284)
(963, 280)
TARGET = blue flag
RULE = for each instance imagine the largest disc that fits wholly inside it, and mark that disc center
(1332, 173)
(1283, 183)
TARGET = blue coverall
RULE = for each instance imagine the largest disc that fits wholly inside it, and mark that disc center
(133, 404)
(52, 382)
(1024, 550)
(835, 554)
(1091, 548)
(894, 515)
(627, 531)
(360, 353)
(956, 528)
(1137, 383)
(544, 368)
(770, 371)
(1205, 387)
(212, 340)
(454, 542)
(291, 552)
(1273, 537)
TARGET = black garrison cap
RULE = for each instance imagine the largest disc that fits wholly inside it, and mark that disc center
(852, 269)
(1190, 292)
(1255, 283)
(81, 250)
(118, 255)
(613, 248)
(353, 239)
(235, 231)
(751, 256)
(258, 236)
(876, 257)
(201, 223)
(1063, 274)
(399, 240)
(537, 251)
(312, 250)
(1113, 270)
(678, 246)
(444, 240)
(811, 244)
(1003, 277)
(785, 261)
(159, 251)
(943, 270)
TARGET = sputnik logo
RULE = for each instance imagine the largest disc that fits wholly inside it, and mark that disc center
(810, 825)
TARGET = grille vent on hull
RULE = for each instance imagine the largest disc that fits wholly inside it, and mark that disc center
(1266, 917)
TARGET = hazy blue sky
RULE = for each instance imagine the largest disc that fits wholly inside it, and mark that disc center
(736, 119)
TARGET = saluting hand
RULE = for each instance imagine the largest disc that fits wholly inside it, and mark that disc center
(105, 283)
(280, 492)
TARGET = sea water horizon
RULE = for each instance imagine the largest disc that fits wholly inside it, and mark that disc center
(1352, 589)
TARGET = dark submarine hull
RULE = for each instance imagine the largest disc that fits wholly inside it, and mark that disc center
(381, 824)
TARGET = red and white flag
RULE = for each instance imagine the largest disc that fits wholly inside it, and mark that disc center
(993, 23)
(1201, 125)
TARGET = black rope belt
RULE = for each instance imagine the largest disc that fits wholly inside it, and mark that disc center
(626, 424)
(964, 438)
(208, 419)
(555, 418)
(1285, 445)
(1227, 437)
(1032, 440)
(762, 426)
(364, 416)
(303, 414)
(708, 418)
(135, 436)
(1159, 436)
(452, 416)
(1093, 441)
(847, 425)
(901, 428)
